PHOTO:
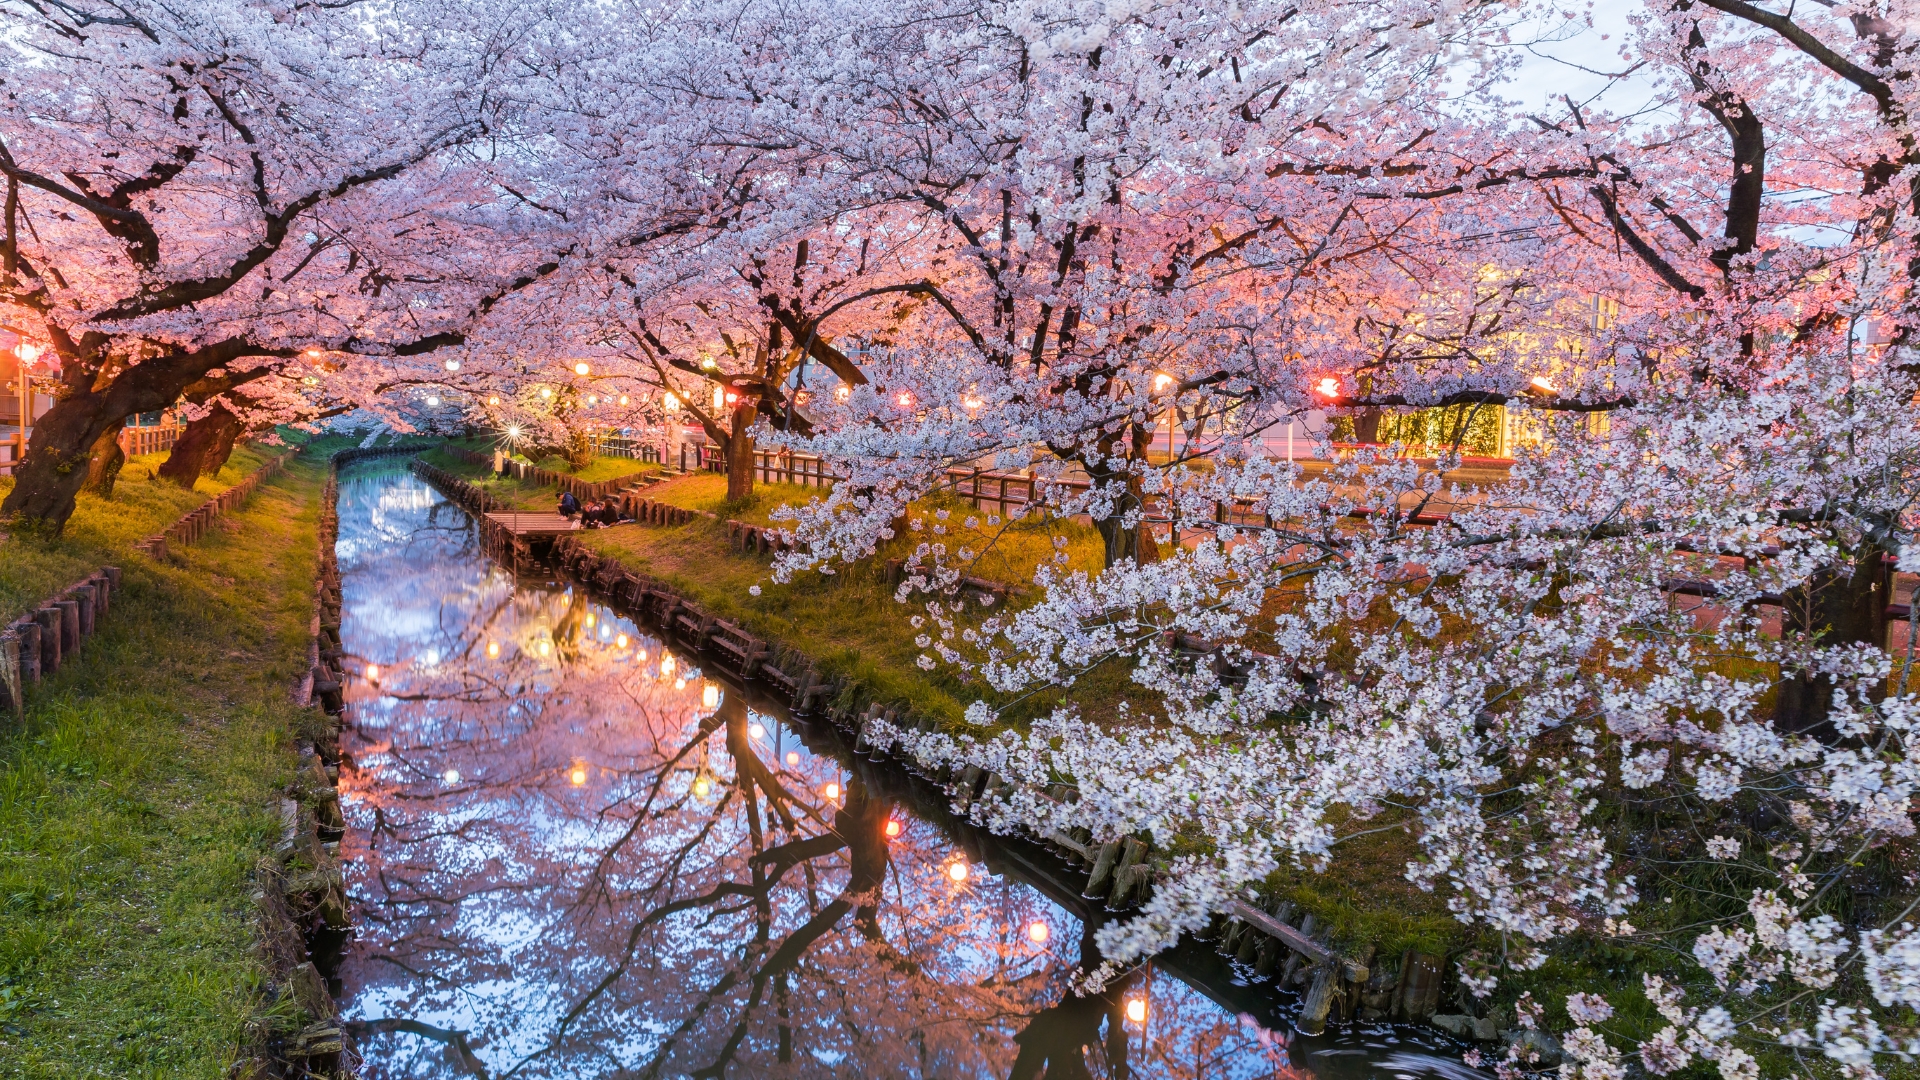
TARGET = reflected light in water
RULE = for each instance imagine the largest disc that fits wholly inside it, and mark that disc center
(1137, 1009)
(451, 776)
(793, 757)
(1038, 932)
(589, 619)
(373, 673)
(957, 872)
(546, 648)
(757, 730)
(679, 684)
(893, 827)
(702, 785)
(620, 641)
(666, 665)
(578, 776)
(493, 650)
(831, 789)
(710, 696)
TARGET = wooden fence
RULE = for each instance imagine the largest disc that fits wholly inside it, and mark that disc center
(194, 524)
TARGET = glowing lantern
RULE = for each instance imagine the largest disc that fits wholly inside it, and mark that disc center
(546, 648)
(453, 365)
(432, 401)
(972, 403)
(905, 399)
(1161, 381)
(666, 665)
(623, 399)
(373, 673)
(451, 776)
(493, 650)
(578, 775)
(593, 399)
(581, 368)
(1137, 1009)
(719, 397)
(493, 399)
(841, 393)
(1038, 932)
(1329, 387)
(831, 789)
(670, 403)
(679, 684)
(1544, 385)
(793, 757)
(757, 731)
(894, 828)
(707, 363)
(312, 354)
(620, 641)
(710, 696)
(957, 872)
(702, 785)
(640, 655)
(589, 619)
(546, 392)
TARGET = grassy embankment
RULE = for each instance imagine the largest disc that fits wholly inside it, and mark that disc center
(850, 624)
(140, 793)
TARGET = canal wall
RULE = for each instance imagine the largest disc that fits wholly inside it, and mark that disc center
(1274, 942)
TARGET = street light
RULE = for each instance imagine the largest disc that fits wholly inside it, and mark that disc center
(581, 368)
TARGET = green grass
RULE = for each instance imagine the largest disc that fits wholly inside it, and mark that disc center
(30, 570)
(140, 793)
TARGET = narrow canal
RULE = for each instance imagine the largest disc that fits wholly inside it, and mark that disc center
(574, 852)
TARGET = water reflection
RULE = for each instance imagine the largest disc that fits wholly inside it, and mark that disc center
(573, 852)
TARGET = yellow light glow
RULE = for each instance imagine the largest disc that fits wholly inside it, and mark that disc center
(666, 664)
(719, 397)
(679, 684)
(894, 828)
(708, 363)
(1544, 385)
(957, 872)
(589, 619)
(493, 399)
(640, 655)
(312, 354)
(513, 432)
(1329, 386)
(793, 757)
(546, 648)
(758, 731)
(581, 368)
(451, 776)
(1038, 932)
(578, 775)
(493, 650)
(620, 642)
(841, 393)
(623, 399)
(701, 785)
(710, 696)
(831, 789)
(546, 392)
(1161, 381)
(373, 673)
(593, 399)
(670, 403)
(905, 399)
(1137, 1010)
(972, 403)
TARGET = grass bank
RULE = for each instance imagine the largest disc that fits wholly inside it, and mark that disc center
(138, 797)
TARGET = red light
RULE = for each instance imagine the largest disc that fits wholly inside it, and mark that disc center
(1329, 386)
(893, 828)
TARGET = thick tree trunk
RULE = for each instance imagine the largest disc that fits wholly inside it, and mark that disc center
(1842, 604)
(103, 463)
(198, 446)
(579, 450)
(57, 461)
(739, 451)
(1124, 543)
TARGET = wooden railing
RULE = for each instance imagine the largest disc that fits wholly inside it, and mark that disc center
(135, 441)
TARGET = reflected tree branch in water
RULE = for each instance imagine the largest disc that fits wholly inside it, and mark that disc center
(1054, 1043)
(457, 1040)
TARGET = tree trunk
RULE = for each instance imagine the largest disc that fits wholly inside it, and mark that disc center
(739, 451)
(198, 445)
(1842, 604)
(1123, 543)
(579, 450)
(104, 461)
(57, 462)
